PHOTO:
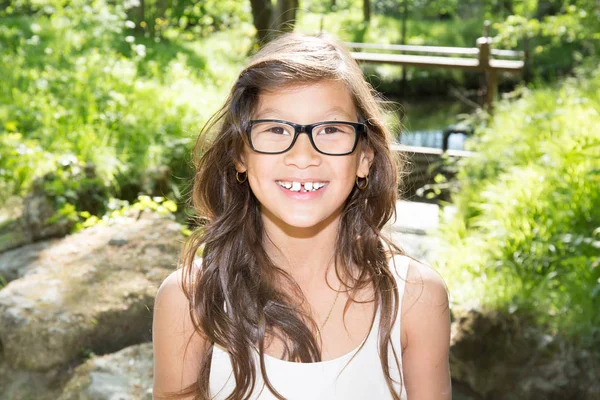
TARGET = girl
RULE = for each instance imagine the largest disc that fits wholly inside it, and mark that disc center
(296, 296)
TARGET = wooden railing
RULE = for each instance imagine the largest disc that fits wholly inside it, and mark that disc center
(480, 58)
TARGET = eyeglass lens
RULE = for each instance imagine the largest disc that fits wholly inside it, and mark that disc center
(330, 138)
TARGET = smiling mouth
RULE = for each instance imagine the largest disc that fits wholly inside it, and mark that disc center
(301, 187)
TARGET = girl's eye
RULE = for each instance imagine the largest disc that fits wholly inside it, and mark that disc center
(277, 129)
(337, 129)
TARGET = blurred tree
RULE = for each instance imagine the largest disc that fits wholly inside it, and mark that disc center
(285, 15)
(271, 22)
(367, 10)
(138, 13)
(261, 14)
(548, 7)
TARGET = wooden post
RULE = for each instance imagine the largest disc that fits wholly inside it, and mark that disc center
(526, 60)
(492, 84)
(483, 44)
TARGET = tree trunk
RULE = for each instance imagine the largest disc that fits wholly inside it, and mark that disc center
(161, 8)
(367, 10)
(262, 11)
(269, 22)
(285, 15)
(138, 15)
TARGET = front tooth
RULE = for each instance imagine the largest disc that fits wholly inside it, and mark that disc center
(295, 186)
(308, 186)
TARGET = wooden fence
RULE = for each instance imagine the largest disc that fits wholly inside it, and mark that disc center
(480, 58)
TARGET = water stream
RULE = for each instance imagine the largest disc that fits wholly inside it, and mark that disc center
(424, 120)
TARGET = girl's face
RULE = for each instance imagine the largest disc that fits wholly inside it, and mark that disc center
(308, 104)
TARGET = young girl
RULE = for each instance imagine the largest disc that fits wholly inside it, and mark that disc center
(297, 294)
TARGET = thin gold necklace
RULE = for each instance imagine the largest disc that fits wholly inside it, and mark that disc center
(330, 310)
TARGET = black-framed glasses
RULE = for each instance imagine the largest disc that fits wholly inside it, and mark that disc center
(332, 138)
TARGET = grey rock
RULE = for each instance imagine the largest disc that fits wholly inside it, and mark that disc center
(18, 262)
(125, 375)
(502, 356)
(81, 295)
(18, 384)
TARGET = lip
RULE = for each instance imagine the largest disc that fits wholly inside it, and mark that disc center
(306, 195)
(301, 180)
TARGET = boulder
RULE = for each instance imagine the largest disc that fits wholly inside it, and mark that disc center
(18, 262)
(124, 375)
(26, 385)
(91, 292)
(500, 355)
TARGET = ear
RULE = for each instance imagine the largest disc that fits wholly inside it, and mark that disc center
(366, 159)
(240, 166)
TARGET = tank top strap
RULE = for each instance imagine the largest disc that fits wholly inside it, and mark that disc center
(399, 267)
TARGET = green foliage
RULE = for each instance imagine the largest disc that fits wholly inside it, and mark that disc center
(526, 234)
(121, 209)
(75, 185)
(81, 83)
(203, 18)
(557, 43)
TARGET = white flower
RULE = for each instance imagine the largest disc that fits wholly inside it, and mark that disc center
(41, 84)
(129, 39)
(128, 4)
(129, 24)
(34, 40)
(140, 49)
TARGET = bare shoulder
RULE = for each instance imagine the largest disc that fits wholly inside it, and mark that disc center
(178, 346)
(171, 291)
(424, 288)
(171, 295)
(425, 334)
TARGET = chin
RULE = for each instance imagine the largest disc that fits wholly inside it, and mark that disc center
(302, 222)
(291, 220)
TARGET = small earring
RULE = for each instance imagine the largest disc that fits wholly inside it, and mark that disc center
(365, 185)
(237, 176)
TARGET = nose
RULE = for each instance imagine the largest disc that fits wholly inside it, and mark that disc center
(302, 154)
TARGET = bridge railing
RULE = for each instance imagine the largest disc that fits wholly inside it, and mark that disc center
(480, 58)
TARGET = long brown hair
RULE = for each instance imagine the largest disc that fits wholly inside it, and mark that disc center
(236, 298)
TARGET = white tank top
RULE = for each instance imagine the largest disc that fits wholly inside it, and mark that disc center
(363, 377)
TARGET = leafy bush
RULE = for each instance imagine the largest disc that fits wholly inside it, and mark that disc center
(557, 43)
(526, 234)
(79, 81)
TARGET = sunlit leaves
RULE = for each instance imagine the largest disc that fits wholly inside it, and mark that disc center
(526, 231)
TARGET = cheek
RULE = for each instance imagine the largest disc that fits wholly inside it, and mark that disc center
(260, 172)
(349, 168)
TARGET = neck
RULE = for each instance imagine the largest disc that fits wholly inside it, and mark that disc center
(305, 253)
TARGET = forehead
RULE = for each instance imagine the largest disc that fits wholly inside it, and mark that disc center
(326, 100)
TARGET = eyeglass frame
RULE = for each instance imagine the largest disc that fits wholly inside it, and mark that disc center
(359, 129)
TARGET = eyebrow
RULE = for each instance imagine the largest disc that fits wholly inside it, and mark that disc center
(276, 112)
